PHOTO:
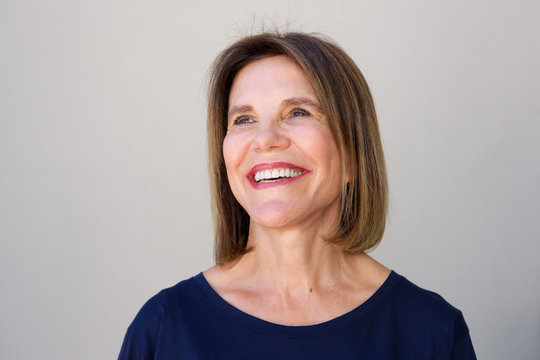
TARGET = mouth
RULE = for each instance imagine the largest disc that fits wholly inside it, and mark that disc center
(273, 173)
(276, 174)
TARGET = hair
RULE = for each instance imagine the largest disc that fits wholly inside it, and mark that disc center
(347, 103)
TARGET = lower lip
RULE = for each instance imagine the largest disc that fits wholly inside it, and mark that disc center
(284, 181)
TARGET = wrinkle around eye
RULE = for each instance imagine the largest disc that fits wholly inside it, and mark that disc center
(239, 123)
(242, 120)
(301, 112)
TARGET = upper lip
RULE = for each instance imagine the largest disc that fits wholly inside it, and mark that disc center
(271, 166)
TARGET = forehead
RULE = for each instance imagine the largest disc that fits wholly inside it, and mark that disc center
(268, 78)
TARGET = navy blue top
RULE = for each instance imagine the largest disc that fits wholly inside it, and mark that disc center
(399, 321)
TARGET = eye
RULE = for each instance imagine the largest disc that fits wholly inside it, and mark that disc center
(299, 112)
(242, 120)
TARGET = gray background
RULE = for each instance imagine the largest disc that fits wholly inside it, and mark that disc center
(103, 183)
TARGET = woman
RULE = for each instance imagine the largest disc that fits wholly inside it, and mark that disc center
(299, 194)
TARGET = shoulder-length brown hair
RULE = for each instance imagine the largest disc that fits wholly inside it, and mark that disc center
(347, 103)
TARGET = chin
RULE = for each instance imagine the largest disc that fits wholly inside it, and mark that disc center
(274, 215)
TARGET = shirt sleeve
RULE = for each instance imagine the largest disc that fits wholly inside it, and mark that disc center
(131, 351)
(463, 347)
(143, 333)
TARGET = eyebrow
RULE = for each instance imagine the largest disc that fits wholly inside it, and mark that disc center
(302, 101)
(239, 108)
(287, 102)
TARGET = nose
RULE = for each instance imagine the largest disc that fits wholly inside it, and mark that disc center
(270, 137)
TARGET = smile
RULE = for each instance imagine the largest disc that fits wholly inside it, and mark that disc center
(276, 174)
(266, 175)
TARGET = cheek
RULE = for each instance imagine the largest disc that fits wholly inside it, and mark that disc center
(234, 150)
(230, 160)
(317, 141)
(228, 154)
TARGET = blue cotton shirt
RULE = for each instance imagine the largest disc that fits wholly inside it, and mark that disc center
(399, 321)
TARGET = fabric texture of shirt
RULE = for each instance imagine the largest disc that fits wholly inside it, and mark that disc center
(190, 321)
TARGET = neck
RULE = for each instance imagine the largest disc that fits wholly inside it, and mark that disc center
(293, 276)
(295, 260)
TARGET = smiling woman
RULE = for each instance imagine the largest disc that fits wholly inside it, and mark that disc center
(339, 96)
(299, 194)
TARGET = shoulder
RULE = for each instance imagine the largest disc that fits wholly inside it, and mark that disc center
(426, 313)
(413, 297)
(169, 300)
(155, 318)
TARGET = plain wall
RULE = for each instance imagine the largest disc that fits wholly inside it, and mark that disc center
(103, 185)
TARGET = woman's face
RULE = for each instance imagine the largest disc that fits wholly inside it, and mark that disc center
(282, 161)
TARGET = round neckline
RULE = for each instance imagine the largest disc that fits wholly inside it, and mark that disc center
(254, 322)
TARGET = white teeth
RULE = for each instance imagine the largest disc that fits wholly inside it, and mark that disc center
(276, 174)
